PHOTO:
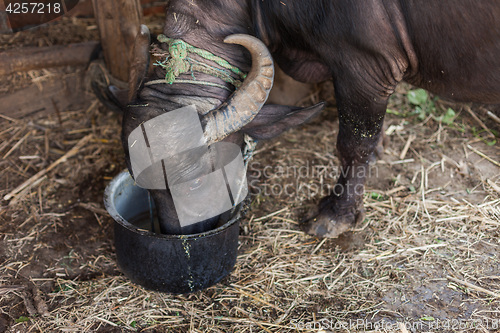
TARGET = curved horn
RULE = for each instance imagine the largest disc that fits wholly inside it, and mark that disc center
(140, 62)
(246, 101)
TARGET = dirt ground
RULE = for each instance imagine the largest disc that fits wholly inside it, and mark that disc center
(425, 259)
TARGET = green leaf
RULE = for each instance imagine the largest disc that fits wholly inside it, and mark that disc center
(427, 318)
(417, 96)
(420, 112)
(491, 143)
(22, 319)
(449, 116)
(133, 324)
(391, 111)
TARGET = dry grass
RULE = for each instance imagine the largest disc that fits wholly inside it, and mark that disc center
(427, 251)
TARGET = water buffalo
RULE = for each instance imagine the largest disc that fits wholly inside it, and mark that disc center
(449, 47)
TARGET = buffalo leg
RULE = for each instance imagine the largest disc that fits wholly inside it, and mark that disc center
(361, 108)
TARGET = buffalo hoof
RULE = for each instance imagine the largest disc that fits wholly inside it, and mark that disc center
(331, 222)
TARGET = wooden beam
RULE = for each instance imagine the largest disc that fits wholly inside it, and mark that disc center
(118, 22)
(53, 95)
(29, 58)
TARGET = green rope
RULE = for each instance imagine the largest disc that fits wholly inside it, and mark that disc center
(203, 83)
(177, 62)
(197, 66)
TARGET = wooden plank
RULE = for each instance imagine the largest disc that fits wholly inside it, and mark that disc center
(118, 22)
(29, 58)
(46, 97)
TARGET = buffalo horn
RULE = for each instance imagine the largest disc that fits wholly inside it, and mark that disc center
(246, 101)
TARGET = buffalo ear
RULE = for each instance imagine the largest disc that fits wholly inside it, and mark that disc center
(118, 96)
(272, 120)
(139, 64)
(112, 97)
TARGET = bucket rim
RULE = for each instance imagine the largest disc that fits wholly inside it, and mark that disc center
(113, 212)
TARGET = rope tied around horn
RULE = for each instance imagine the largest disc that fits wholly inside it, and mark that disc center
(176, 61)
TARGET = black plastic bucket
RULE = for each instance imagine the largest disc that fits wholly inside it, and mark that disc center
(167, 263)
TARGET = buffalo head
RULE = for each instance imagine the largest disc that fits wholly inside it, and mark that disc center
(224, 114)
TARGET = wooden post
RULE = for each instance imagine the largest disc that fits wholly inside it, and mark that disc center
(118, 22)
(29, 58)
(4, 20)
